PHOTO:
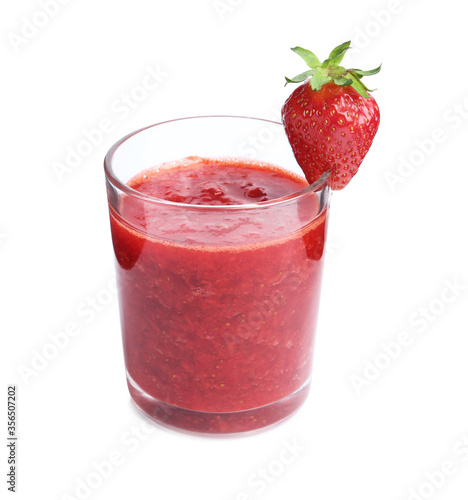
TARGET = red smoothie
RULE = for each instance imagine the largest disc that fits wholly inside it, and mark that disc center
(218, 297)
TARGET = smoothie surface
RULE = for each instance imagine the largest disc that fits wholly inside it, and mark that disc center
(203, 181)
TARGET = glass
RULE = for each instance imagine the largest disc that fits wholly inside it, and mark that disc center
(218, 304)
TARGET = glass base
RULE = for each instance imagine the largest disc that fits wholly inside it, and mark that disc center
(217, 423)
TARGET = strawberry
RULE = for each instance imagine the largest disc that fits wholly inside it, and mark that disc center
(331, 119)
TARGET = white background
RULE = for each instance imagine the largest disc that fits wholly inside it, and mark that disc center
(394, 245)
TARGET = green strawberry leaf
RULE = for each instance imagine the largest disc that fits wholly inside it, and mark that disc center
(318, 80)
(309, 57)
(337, 54)
(341, 49)
(358, 85)
(359, 73)
(299, 78)
(331, 71)
(343, 81)
(366, 88)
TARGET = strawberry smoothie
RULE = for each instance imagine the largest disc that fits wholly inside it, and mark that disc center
(219, 266)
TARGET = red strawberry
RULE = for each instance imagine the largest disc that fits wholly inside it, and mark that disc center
(331, 119)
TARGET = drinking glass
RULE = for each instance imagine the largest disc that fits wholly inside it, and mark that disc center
(218, 304)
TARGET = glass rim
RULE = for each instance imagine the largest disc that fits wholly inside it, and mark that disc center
(321, 183)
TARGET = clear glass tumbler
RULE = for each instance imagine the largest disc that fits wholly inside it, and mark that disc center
(218, 304)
